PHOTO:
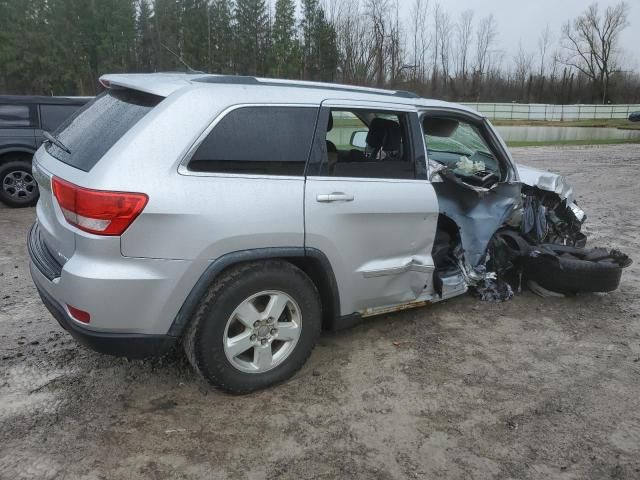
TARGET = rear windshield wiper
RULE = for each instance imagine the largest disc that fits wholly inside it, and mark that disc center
(51, 139)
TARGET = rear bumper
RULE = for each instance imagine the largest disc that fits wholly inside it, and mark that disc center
(57, 287)
(124, 295)
(118, 344)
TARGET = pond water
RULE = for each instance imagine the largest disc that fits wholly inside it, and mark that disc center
(545, 134)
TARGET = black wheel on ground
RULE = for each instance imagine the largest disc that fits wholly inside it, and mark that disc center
(255, 327)
(569, 274)
(18, 188)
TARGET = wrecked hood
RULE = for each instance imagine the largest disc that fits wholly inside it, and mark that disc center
(544, 180)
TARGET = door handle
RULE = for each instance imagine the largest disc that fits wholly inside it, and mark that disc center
(334, 197)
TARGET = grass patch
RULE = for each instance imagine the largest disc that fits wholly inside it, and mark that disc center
(620, 123)
(612, 141)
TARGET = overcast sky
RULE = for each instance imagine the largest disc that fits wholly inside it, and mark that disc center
(524, 19)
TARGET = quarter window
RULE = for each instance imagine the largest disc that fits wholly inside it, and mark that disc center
(258, 140)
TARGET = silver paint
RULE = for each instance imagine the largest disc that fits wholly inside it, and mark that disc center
(378, 234)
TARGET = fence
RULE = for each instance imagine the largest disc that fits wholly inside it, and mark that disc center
(541, 111)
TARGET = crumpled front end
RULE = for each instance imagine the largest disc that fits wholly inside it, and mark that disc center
(547, 181)
(550, 213)
(502, 230)
(496, 216)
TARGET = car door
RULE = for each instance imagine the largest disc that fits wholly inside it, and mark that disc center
(374, 216)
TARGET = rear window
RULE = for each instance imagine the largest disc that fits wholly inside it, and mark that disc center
(258, 140)
(16, 116)
(97, 126)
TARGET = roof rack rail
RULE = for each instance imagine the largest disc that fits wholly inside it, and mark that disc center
(248, 80)
(229, 79)
(406, 94)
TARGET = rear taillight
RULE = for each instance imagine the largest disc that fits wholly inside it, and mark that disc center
(98, 211)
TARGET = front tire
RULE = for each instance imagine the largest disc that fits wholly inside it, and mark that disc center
(255, 327)
(18, 188)
(572, 271)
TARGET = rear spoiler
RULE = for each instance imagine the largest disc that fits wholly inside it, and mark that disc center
(160, 84)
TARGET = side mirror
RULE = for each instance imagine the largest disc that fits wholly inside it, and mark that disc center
(634, 117)
(359, 139)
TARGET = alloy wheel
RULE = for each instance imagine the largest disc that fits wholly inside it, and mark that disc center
(20, 185)
(262, 331)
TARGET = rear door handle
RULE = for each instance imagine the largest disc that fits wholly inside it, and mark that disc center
(334, 197)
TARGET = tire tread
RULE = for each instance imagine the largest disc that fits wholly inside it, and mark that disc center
(230, 277)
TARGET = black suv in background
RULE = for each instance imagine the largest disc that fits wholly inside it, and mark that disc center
(22, 121)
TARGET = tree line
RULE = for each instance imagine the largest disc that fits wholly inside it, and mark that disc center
(61, 47)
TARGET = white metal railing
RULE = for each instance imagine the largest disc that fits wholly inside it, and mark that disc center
(542, 111)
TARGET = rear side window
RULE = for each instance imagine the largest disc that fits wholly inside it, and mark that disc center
(16, 116)
(97, 126)
(258, 140)
(52, 116)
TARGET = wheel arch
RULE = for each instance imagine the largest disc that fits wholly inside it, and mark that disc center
(310, 260)
(15, 153)
(448, 224)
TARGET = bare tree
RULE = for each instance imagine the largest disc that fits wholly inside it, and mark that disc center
(378, 14)
(556, 61)
(523, 65)
(460, 59)
(464, 34)
(545, 40)
(443, 33)
(591, 44)
(486, 36)
(334, 10)
(355, 44)
(394, 48)
(420, 38)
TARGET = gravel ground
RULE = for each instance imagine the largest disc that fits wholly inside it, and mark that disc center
(532, 388)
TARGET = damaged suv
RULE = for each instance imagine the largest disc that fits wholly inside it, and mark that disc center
(239, 216)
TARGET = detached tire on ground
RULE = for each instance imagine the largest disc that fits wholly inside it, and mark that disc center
(255, 327)
(18, 188)
(572, 270)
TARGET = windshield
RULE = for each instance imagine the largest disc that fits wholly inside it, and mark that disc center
(461, 147)
(465, 140)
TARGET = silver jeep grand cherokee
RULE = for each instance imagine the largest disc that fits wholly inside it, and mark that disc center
(239, 216)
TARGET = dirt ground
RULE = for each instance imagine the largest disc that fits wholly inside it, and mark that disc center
(532, 388)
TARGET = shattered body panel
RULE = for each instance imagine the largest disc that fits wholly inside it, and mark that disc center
(562, 217)
(478, 216)
(482, 213)
(495, 213)
(547, 181)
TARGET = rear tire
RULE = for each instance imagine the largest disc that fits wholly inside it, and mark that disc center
(18, 188)
(232, 337)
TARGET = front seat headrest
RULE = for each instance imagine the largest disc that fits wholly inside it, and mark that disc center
(439, 127)
(379, 130)
(394, 138)
(330, 123)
